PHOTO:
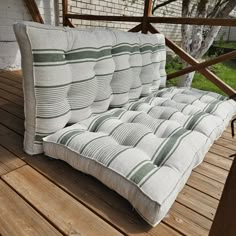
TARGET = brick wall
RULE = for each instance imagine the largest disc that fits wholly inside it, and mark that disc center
(104, 7)
(120, 8)
(12, 11)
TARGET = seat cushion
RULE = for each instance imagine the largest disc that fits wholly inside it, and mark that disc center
(145, 159)
(192, 109)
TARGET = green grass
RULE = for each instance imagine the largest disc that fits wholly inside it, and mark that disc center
(226, 45)
(226, 72)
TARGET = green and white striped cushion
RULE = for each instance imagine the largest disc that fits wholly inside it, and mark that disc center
(146, 160)
(72, 74)
(208, 102)
(191, 109)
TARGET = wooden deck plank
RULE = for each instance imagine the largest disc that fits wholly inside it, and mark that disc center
(193, 216)
(198, 201)
(206, 185)
(12, 75)
(10, 82)
(18, 218)
(88, 190)
(12, 122)
(222, 151)
(11, 89)
(12, 108)
(218, 161)
(212, 171)
(61, 209)
(228, 136)
(184, 225)
(226, 143)
(224, 222)
(11, 97)
(8, 161)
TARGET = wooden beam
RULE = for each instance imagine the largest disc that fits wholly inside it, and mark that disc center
(105, 18)
(137, 28)
(69, 23)
(64, 12)
(192, 61)
(224, 221)
(203, 65)
(34, 11)
(146, 13)
(193, 21)
(151, 19)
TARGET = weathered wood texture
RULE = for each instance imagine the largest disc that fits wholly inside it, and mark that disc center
(34, 11)
(203, 65)
(62, 200)
(17, 217)
(224, 222)
(156, 19)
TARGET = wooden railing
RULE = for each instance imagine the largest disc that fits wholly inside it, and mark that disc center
(146, 26)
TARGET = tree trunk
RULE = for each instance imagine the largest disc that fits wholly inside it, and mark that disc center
(193, 40)
(186, 80)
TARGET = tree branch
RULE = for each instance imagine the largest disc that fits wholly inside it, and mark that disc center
(154, 8)
(197, 32)
(215, 29)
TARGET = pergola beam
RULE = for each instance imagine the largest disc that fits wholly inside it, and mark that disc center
(105, 18)
(156, 19)
(34, 11)
(203, 65)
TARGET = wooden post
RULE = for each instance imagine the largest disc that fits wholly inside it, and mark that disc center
(224, 221)
(192, 61)
(64, 11)
(34, 11)
(146, 13)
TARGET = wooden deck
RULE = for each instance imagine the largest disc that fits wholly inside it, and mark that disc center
(40, 196)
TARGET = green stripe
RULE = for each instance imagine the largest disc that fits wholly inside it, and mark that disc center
(164, 142)
(38, 138)
(73, 62)
(151, 48)
(142, 172)
(48, 50)
(148, 177)
(125, 48)
(212, 106)
(49, 57)
(170, 146)
(135, 168)
(59, 57)
(65, 137)
(194, 119)
(88, 54)
(93, 126)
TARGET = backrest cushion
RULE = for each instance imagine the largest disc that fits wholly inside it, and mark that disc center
(72, 74)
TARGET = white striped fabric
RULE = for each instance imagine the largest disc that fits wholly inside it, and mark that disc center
(145, 159)
(72, 74)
